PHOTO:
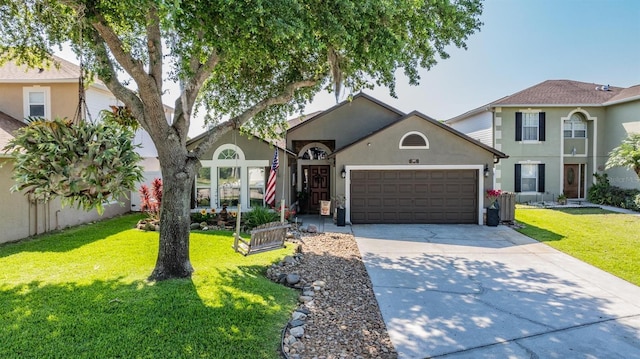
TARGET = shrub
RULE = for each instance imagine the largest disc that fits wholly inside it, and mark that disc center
(260, 215)
(602, 192)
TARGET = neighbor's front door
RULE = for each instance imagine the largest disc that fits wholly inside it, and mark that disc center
(574, 180)
(318, 186)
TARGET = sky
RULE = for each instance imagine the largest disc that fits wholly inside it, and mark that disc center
(522, 43)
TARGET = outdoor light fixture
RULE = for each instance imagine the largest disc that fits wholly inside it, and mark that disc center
(486, 170)
(343, 174)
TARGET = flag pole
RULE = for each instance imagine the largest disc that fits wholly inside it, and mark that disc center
(284, 179)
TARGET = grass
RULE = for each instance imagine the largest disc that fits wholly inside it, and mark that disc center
(83, 293)
(607, 240)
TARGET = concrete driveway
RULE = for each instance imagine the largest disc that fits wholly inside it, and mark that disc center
(468, 291)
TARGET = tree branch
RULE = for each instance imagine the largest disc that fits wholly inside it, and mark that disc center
(111, 81)
(154, 47)
(235, 123)
(132, 66)
(184, 103)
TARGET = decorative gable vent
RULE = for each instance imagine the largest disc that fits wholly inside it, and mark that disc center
(414, 140)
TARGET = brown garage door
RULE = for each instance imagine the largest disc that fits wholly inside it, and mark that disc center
(414, 196)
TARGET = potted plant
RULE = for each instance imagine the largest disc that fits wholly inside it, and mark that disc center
(493, 211)
(562, 199)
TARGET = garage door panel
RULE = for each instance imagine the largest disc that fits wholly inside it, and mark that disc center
(414, 196)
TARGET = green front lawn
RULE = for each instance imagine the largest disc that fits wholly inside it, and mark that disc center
(607, 240)
(83, 293)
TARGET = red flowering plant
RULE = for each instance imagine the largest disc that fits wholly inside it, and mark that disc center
(493, 195)
(151, 200)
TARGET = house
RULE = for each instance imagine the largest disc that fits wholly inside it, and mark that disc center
(50, 93)
(557, 133)
(383, 165)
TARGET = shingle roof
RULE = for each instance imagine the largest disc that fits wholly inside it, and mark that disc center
(561, 92)
(626, 94)
(8, 125)
(63, 71)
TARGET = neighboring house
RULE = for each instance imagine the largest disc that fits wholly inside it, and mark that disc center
(557, 134)
(49, 93)
(384, 165)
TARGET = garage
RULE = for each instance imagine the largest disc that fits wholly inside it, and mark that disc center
(414, 196)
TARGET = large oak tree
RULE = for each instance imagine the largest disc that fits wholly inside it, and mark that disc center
(245, 62)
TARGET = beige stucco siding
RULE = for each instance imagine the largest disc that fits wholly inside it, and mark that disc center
(554, 151)
(63, 99)
(22, 218)
(622, 119)
(345, 124)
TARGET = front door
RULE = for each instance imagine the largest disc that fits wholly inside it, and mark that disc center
(317, 184)
(574, 180)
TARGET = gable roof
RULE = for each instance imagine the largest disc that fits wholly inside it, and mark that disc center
(433, 122)
(561, 92)
(279, 143)
(8, 125)
(346, 102)
(61, 71)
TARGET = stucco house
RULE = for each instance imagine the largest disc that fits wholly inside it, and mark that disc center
(50, 93)
(383, 165)
(557, 133)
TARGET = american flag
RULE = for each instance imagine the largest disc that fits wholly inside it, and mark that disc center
(270, 195)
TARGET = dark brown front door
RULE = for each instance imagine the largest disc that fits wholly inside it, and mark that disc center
(317, 178)
(414, 196)
(574, 180)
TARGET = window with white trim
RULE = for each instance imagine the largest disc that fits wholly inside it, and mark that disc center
(530, 126)
(36, 102)
(529, 177)
(575, 127)
(229, 178)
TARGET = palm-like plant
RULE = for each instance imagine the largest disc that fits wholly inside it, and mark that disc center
(627, 154)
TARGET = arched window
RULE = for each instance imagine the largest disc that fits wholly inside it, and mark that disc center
(414, 140)
(315, 153)
(229, 178)
(575, 126)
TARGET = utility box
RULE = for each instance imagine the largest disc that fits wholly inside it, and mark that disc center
(507, 201)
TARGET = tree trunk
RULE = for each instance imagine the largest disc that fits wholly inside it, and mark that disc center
(173, 252)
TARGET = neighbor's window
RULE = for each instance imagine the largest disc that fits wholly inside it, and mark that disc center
(575, 127)
(530, 126)
(36, 102)
(228, 186)
(529, 177)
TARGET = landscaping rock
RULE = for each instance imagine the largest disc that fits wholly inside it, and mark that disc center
(195, 225)
(312, 228)
(297, 332)
(293, 278)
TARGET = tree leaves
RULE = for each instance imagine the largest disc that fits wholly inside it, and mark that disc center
(84, 163)
(627, 154)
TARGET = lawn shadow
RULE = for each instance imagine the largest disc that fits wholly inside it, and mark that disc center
(71, 238)
(583, 211)
(541, 234)
(169, 319)
(438, 305)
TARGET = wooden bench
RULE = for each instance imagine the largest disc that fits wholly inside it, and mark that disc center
(263, 238)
